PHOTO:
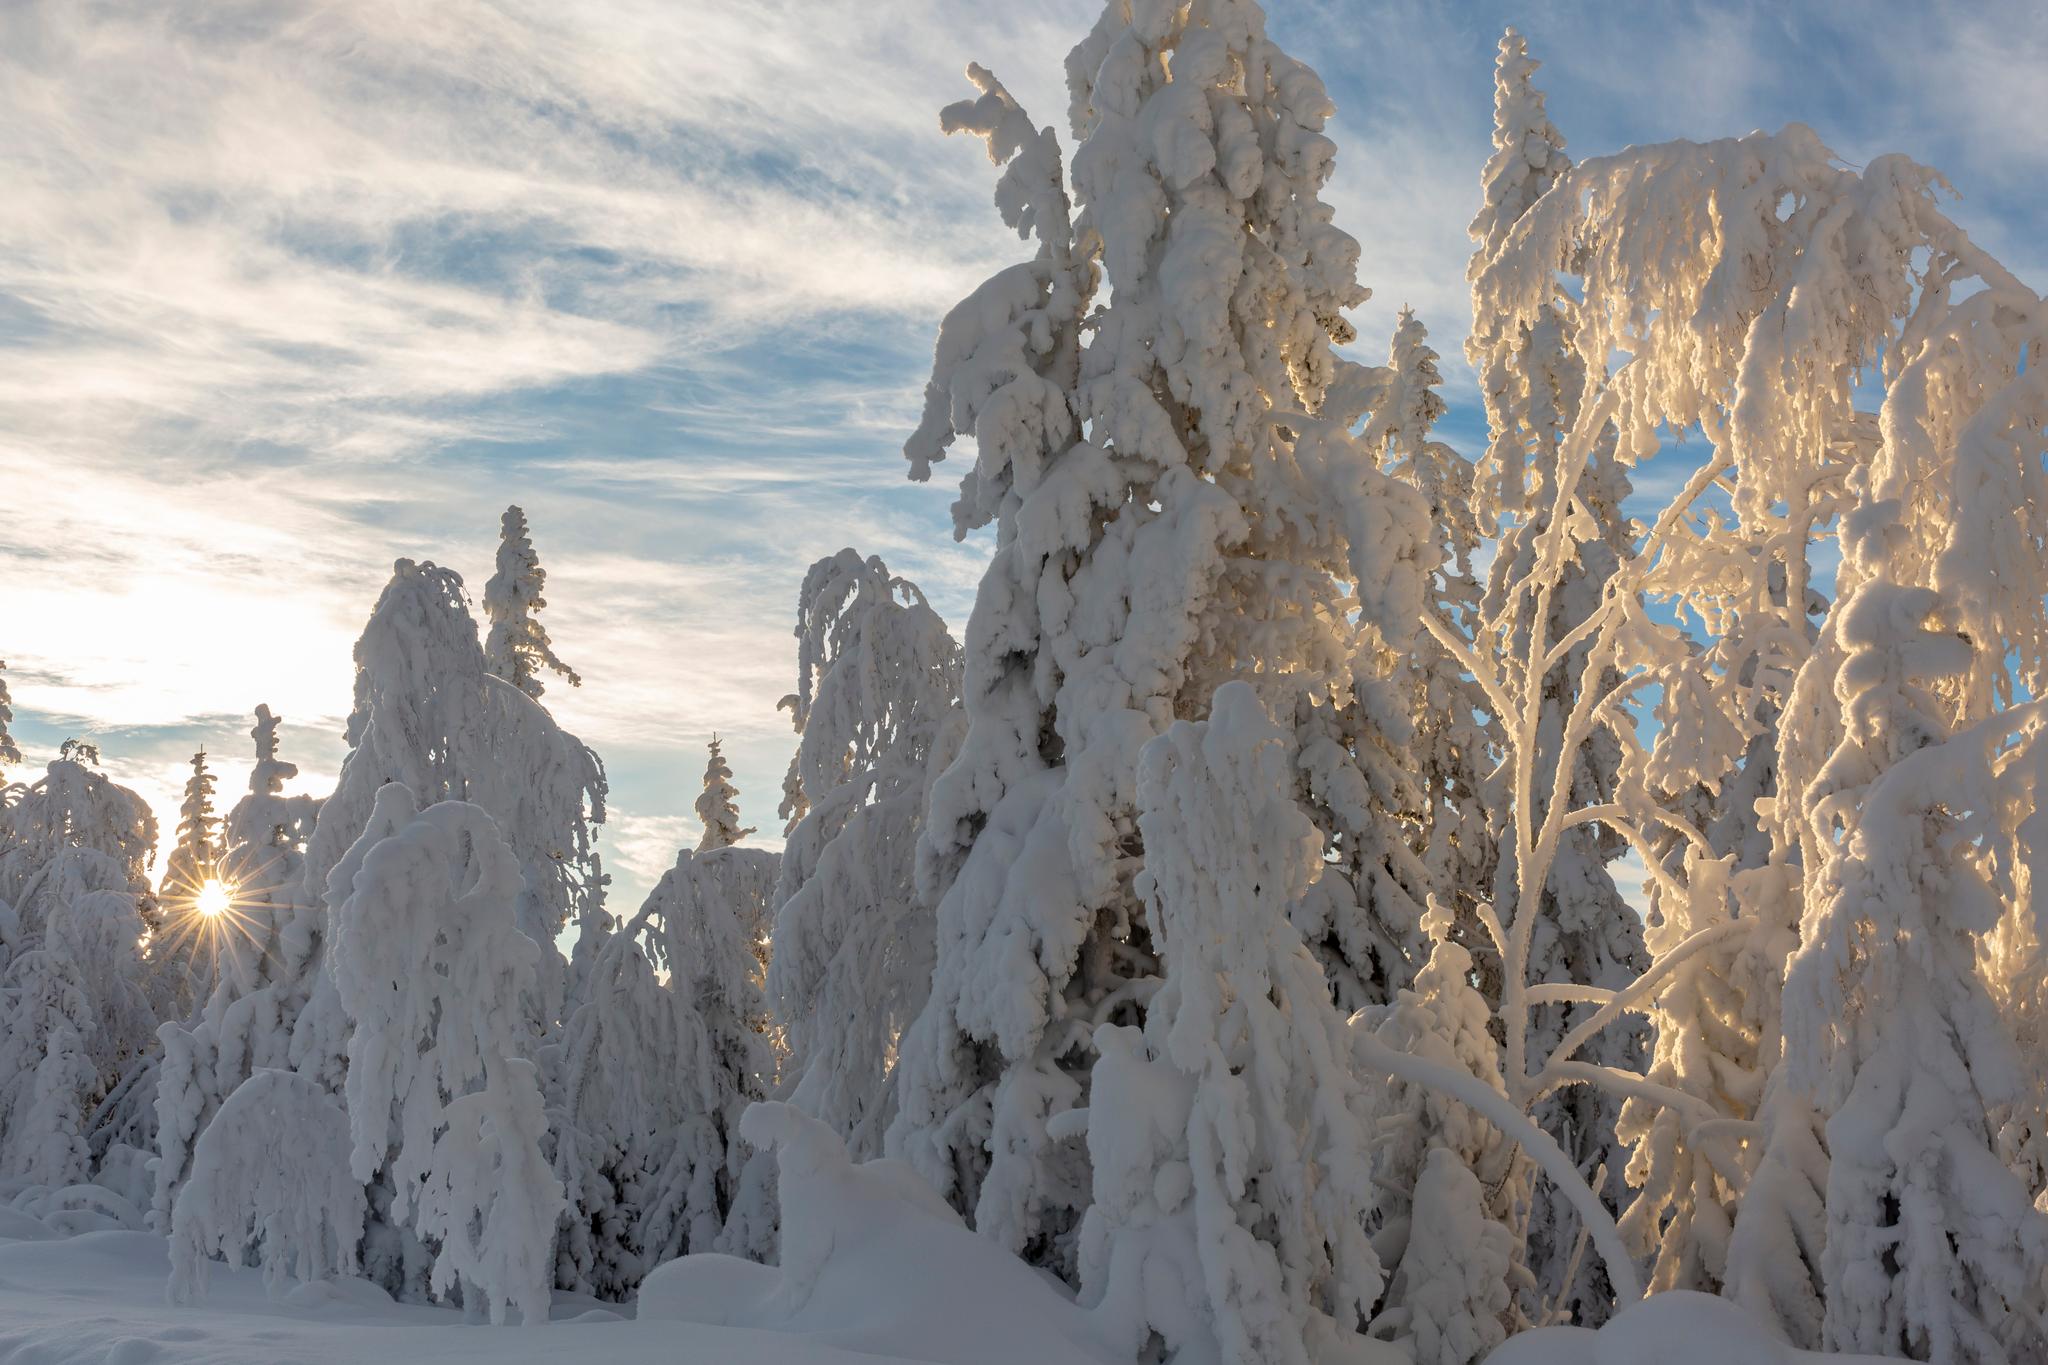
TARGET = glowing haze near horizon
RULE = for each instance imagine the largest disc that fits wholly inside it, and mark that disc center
(288, 291)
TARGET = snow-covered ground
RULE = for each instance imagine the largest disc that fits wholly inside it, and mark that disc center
(876, 1268)
(99, 1297)
(904, 1292)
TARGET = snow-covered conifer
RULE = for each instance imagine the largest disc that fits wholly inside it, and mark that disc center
(718, 809)
(851, 961)
(1456, 1267)
(10, 752)
(1528, 151)
(97, 933)
(193, 859)
(429, 714)
(1177, 504)
(1396, 775)
(1233, 1182)
(1934, 1246)
(518, 649)
(488, 1198)
(183, 951)
(264, 840)
(703, 919)
(47, 1079)
(623, 1108)
(243, 1026)
(73, 829)
(1454, 1313)
(269, 1181)
(1455, 746)
(74, 1019)
(1717, 1039)
(426, 957)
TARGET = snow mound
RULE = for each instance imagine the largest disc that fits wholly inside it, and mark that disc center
(1679, 1327)
(873, 1260)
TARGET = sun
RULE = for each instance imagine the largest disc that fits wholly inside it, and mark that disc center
(213, 899)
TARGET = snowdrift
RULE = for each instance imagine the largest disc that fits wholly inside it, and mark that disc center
(873, 1260)
(1674, 1328)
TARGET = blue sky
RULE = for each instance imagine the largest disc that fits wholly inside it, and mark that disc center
(289, 290)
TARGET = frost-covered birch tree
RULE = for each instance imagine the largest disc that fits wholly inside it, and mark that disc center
(1543, 586)
(1819, 273)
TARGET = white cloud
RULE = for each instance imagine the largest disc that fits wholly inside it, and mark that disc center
(288, 290)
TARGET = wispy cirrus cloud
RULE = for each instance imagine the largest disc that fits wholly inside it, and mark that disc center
(290, 289)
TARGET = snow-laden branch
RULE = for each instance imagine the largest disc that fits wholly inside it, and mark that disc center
(1502, 1113)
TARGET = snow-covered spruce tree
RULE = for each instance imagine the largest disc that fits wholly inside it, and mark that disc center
(1453, 1190)
(70, 831)
(704, 921)
(1528, 151)
(1232, 1177)
(270, 1180)
(717, 807)
(650, 1077)
(517, 648)
(1450, 753)
(2011, 957)
(47, 1079)
(183, 949)
(876, 706)
(10, 923)
(264, 840)
(243, 1026)
(1911, 827)
(74, 1020)
(10, 752)
(1541, 589)
(622, 1106)
(1176, 505)
(73, 849)
(432, 969)
(97, 933)
(193, 859)
(1717, 1041)
(429, 714)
